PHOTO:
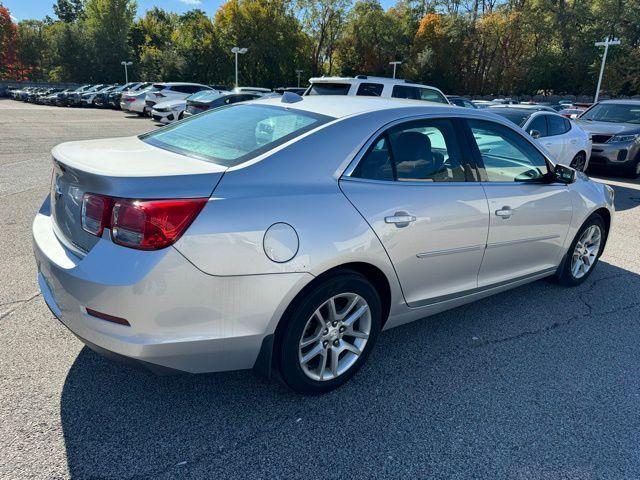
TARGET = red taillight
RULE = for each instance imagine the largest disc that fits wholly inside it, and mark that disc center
(96, 212)
(140, 224)
(129, 99)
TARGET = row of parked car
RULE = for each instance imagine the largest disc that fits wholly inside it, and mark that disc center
(566, 130)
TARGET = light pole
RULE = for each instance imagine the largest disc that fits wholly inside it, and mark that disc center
(395, 64)
(238, 50)
(607, 41)
(126, 73)
(299, 72)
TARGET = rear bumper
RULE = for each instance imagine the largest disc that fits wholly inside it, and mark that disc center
(180, 318)
(614, 155)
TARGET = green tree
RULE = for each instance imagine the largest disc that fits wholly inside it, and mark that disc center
(274, 38)
(107, 25)
(68, 11)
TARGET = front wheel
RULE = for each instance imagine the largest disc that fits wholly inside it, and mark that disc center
(579, 162)
(329, 334)
(584, 252)
(633, 171)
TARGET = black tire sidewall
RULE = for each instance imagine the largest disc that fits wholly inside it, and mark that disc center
(566, 278)
(287, 343)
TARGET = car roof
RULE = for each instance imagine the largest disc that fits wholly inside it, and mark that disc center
(339, 106)
(368, 78)
(171, 84)
(622, 101)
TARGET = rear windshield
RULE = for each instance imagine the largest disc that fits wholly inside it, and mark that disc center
(328, 89)
(516, 116)
(233, 134)
(204, 96)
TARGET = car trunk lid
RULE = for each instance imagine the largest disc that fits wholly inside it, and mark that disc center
(122, 168)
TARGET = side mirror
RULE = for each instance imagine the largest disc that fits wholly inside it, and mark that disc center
(534, 133)
(564, 174)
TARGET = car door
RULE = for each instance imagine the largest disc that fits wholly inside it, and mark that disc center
(415, 186)
(561, 139)
(529, 216)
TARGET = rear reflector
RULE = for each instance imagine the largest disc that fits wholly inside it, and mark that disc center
(108, 318)
(139, 224)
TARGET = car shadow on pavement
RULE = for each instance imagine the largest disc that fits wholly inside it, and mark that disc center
(537, 382)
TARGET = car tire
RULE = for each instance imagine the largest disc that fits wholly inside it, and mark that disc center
(584, 252)
(579, 162)
(315, 351)
(633, 170)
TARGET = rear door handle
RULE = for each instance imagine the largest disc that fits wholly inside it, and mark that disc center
(400, 219)
(504, 212)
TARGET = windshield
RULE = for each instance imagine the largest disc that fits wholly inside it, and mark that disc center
(233, 134)
(323, 88)
(517, 117)
(614, 113)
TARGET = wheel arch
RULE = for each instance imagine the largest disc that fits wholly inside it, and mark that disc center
(265, 361)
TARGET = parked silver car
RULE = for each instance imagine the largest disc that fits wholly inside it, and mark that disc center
(287, 233)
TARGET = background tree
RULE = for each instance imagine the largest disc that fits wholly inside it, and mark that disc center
(68, 11)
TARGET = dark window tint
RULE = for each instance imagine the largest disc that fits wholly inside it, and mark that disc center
(506, 155)
(567, 124)
(538, 124)
(421, 151)
(329, 89)
(376, 165)
(556, 125)
(417, 93)
(370, 89)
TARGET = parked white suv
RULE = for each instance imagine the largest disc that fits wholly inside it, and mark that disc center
(163, 92)
(363, 85)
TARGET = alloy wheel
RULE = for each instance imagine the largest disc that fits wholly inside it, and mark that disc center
(334, 337)
(579, 162)
(586, 251)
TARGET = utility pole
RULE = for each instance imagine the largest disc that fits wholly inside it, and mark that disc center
(299, 72)
(607, 41)
(395, 64)
(126, 73)
(238, 50)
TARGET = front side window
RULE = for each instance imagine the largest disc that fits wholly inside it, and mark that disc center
(370, 89)
(538, 124)
(420, 151)
(507, 157)
(233, 134)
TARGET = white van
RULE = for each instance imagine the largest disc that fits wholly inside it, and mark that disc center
(364, 85)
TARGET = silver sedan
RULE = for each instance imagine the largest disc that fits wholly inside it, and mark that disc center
(285, 234)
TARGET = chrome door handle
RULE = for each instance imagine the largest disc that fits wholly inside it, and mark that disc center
(400, 219)
(504, 212)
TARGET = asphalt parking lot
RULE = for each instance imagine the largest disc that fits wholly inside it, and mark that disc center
(540, 382)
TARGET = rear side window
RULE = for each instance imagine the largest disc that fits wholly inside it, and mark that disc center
(329, 89)
(233, 134)
(420, 151)
(370, 89)
(418, 93)
(556, 125)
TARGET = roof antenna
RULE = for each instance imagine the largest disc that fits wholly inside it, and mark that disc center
(290, 97)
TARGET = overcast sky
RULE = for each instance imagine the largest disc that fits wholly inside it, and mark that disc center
(23, 9)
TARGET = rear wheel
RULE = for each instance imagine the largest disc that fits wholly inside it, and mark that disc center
(584, 252)
(579, 161)
(329, 334)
